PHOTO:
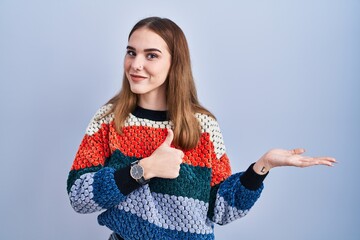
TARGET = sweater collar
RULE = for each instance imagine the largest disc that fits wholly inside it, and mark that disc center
(153, 115)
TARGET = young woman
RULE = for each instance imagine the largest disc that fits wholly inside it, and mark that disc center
(153, 159)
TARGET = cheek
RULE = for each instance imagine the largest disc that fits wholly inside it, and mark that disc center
(166, 69)
(161, 70)
(126, 64)
(165, 72)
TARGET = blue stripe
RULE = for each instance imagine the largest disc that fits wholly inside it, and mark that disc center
(132, 227)
(106, 193)
(236, 195)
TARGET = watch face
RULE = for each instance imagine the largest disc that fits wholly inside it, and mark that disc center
(136, 171)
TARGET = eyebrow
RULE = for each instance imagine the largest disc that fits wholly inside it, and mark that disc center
(145, 50)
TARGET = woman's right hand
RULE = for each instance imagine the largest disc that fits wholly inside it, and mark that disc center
(164, 162)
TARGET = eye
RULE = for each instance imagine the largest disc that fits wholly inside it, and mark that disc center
(151, 56)
(131, 53)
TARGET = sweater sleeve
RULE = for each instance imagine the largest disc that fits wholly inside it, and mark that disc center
(92, 185)
(231, 195)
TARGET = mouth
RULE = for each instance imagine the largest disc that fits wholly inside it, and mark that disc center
(137, 78)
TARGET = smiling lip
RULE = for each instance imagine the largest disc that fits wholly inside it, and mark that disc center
(137, 78)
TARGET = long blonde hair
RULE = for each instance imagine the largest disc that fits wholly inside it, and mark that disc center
(181, 93)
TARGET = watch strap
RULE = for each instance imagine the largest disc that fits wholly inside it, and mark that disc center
(142, 180)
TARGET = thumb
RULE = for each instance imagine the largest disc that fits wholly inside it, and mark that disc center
(169, 138)
(297, 151)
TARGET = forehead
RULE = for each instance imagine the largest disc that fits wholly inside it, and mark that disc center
(144, 38)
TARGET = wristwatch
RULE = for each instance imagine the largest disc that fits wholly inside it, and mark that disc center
(137, 173)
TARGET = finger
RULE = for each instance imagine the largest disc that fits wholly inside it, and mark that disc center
(330, 159)
(169, 138)
(179, 156)
(309, 161)
(297, 151)
(327, 159)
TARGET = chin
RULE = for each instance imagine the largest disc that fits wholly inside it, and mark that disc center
(137, 90)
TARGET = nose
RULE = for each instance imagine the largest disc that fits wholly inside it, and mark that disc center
(137, 63)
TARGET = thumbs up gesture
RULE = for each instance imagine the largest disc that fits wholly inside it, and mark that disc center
(164, 162)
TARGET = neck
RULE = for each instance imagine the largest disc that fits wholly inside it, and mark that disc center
(153, 101)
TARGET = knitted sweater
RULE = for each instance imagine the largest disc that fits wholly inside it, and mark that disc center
(187, 207)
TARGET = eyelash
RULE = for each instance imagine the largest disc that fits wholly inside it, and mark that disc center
(151, 56)
(131, 53)
(148, 56)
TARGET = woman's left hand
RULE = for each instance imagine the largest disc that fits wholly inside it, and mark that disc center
(281, 157)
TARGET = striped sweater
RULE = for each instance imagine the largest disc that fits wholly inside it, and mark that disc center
(187, 207)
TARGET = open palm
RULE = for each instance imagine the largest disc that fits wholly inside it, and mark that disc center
(281, 157)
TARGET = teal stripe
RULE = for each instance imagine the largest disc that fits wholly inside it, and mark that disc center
(75, 174)
(192, 182)
(117, 160)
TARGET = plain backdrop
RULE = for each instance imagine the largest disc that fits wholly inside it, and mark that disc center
(280, 73)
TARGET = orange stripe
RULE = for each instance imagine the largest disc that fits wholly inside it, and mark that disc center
(93, 149)
(220, 170)
(142, 141)
(136, 141)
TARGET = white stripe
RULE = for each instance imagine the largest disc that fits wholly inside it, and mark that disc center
(81, 194)
(168, 212)
(224, 213)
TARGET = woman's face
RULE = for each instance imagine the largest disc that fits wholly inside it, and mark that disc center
(147, 63)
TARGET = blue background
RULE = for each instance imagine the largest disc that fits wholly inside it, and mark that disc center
(275, 73)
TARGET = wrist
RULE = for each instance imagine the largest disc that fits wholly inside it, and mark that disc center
(144, 163)
(261, 167)
(137, 173)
